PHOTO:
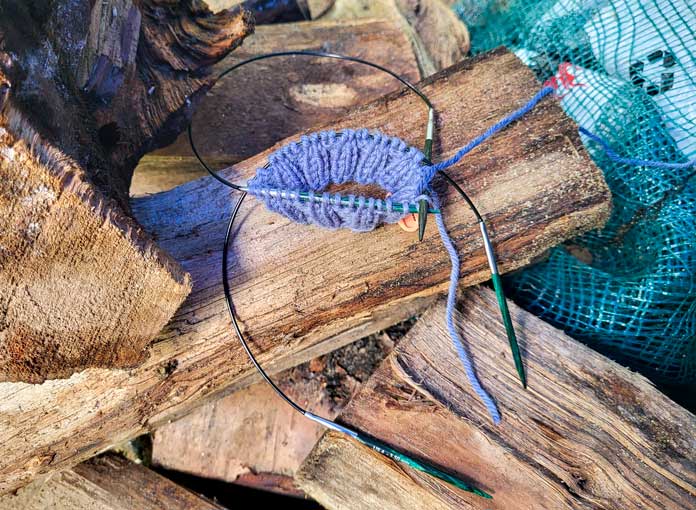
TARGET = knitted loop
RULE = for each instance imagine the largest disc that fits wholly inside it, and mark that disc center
(325, 158)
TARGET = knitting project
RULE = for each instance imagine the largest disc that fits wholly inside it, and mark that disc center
(321, 159)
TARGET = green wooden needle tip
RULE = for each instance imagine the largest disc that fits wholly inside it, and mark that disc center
(396, 455)
(507, 321)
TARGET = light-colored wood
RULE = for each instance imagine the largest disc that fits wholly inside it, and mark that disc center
(81, 284)
(300, 290)
(85, 89)
(282, 96)
(587, 433)
(105, 483)
(253, 437)
(438, 37)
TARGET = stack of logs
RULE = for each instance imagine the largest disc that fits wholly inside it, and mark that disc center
(112, 317)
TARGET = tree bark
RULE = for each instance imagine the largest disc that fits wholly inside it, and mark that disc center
(586, 434)
(302, 291)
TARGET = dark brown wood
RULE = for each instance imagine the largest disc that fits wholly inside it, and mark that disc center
(253, 437)
(86, 88)
(586, 434)
(105, 82)
(302, 291)
(109, 482)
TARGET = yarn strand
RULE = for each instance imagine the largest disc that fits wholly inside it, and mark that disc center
(495, 128)
(457, 340)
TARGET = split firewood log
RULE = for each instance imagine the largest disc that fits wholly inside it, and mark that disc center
(87, 88)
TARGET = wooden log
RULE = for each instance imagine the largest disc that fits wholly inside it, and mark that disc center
(302, 291)
(587, 433)
(438, 37)
(282, 96)
(85, 89)
(110, 482)
(253, 437)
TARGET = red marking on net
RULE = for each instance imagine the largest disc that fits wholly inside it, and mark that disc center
(564, 78)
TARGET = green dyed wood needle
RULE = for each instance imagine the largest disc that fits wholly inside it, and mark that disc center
(428, 153)
(391, 453)
(507, 321)
(396, 455)
(502, 302)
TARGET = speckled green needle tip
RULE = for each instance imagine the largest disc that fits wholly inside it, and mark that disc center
(507, 321)
(393, 454)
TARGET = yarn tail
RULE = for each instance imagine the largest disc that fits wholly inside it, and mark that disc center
(453, 332)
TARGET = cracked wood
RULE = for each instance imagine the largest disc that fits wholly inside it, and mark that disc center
(587, 434)
(301, 291)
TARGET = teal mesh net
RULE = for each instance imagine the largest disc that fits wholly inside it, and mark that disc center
(626, 71)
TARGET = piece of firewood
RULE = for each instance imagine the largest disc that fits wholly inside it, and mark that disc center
(282, 96)
(301, 291)
(253, 437)
(86, 88)
(438, 37)
(110, 482)
(587, 433)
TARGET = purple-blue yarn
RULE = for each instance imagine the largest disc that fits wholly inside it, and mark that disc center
(365, 157)
(449, 318)
(321, 159)
(633, 161)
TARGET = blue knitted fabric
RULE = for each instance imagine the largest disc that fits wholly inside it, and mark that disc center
(321, 159)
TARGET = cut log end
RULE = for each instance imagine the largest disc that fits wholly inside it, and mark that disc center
(86, 88)
(83, 285)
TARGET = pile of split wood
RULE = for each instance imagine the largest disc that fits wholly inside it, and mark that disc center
(112, 317)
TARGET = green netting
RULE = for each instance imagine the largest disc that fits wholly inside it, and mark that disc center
(625, 70)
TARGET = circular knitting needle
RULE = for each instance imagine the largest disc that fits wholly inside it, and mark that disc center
(374, 444)
(422, 209)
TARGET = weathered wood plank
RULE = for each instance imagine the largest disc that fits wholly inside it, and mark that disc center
(106, 483)
(301, 291)
(253, 437)
(587, 433)
(282, 96)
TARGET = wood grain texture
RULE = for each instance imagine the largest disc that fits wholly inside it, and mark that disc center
(587, 434)
(302, 291)
(81, 284)
(105, 82)
(109, 482)
(253, 437)
(85, 89)
(282, 96)
(437, 36)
